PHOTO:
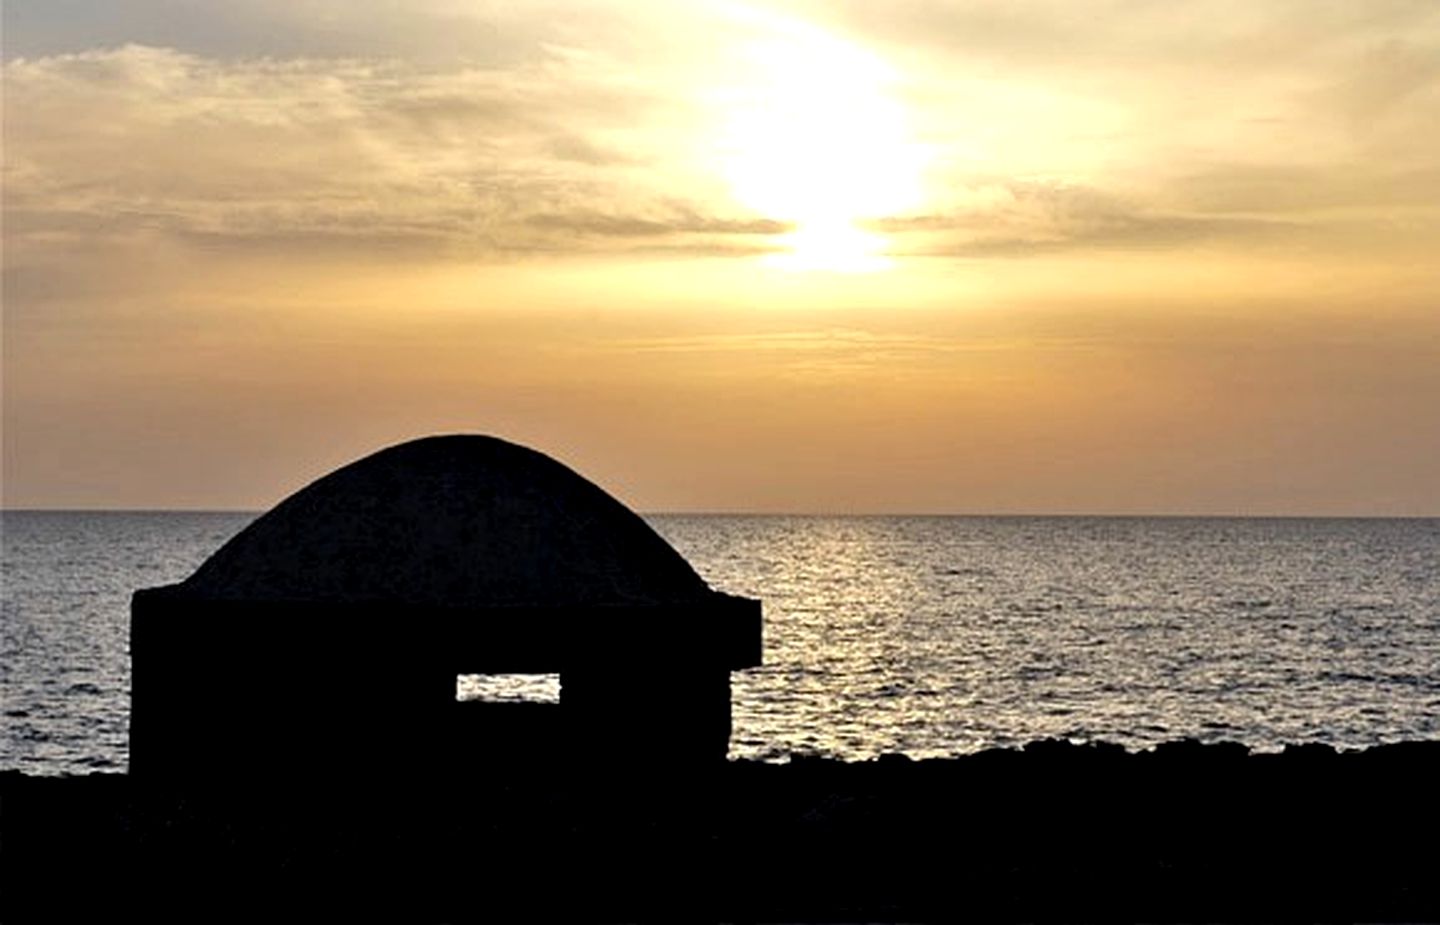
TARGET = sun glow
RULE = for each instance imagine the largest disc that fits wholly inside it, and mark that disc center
(814, 139)
(832, 244)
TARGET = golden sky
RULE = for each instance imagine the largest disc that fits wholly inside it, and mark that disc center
(1071, 256)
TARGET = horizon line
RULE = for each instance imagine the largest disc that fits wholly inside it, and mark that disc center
(1116, 515)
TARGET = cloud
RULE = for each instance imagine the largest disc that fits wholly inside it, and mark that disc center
(1295, 191)
(418, 30)
(811, 353)
(1017, 218)
(1115, 40)
(1047, 125)
(1211, 118)
(547, 156)
(674, 222)
(1385, 77)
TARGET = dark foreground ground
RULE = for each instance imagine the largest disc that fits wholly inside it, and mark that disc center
(1056, 832)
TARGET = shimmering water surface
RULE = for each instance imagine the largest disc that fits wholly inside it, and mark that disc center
(922, 635)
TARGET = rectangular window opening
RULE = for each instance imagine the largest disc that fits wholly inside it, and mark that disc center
(508, 688)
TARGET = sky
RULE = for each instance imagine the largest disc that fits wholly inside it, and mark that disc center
(1045, 256)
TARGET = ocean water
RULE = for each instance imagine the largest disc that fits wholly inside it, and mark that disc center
(927, 636)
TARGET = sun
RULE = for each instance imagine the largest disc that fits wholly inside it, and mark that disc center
(814, 139)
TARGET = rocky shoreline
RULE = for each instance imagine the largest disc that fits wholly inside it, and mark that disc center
(1056, 831)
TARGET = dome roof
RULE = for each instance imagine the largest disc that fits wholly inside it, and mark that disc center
(461, 520)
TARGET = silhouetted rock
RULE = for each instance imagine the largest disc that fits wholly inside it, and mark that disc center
(1057, 831)
(1310, 753)
(1193, 752)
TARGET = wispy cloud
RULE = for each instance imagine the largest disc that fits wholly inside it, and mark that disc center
(810, 353)
(1052, 125)
(1021, 218)
(149, 140)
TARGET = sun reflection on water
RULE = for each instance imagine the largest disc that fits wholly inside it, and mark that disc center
(935, 636)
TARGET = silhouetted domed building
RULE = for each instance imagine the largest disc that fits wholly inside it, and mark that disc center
(457, 521)
(331, 630)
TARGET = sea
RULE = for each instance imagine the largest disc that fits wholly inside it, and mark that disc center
(923, 636)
